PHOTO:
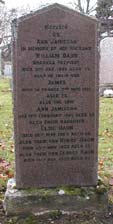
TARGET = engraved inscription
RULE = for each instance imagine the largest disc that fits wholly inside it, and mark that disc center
(59, 97)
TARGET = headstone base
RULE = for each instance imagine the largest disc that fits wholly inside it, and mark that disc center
(41, 200)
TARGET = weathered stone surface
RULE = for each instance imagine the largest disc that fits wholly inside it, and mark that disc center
(106, 64)
(39, 201)
(106, 61)
(56, 98)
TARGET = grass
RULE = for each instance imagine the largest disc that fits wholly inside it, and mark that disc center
(106, 137)
(7, 142)
(6, 132)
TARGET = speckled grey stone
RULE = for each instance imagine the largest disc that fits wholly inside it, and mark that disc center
(55, 63)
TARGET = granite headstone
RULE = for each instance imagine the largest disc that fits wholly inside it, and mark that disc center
(106, 60)
(106, 64)
(55, 66)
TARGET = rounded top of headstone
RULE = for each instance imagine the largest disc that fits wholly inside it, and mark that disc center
(106, 41)
(106, 46)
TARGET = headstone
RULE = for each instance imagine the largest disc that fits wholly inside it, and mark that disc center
(108, 93)
(106, 63)
(8, 69)
(55, 61)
